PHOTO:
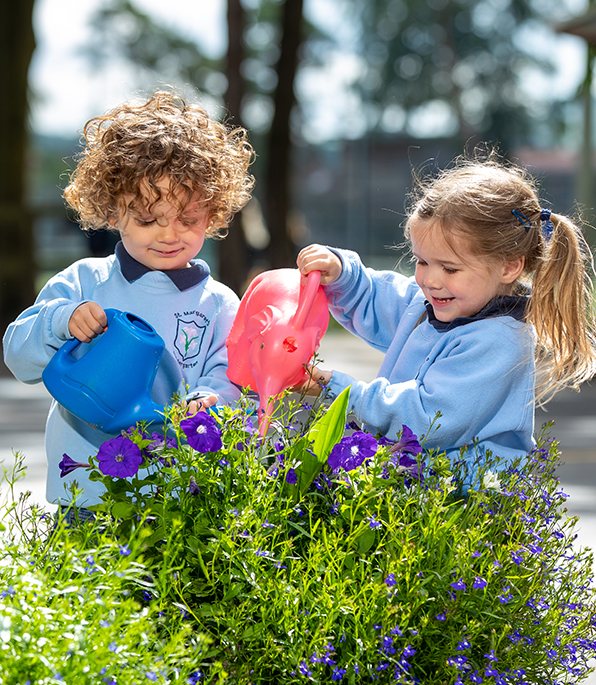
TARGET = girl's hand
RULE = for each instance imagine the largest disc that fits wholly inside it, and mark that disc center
(315, 381)
(87, 322)
(319, 258)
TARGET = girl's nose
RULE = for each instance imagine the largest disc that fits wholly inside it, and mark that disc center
(431, 279)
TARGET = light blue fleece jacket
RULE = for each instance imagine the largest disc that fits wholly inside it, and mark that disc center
(171, 302)
(479, 375)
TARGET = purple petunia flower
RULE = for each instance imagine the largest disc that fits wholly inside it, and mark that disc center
(408, 442)
(68, 465)
(119, 458)
(158, 444)
(202, 432)
(351, 451)
(291, 477)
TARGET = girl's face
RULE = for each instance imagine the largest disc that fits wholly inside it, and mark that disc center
(456, 282)
(164, 237)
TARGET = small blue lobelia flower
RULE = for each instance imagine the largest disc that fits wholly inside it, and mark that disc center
(202, 432)
(68, 465)
(119, 458)
(351, 451)
(458, 585)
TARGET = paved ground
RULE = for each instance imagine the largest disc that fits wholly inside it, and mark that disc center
(23, 410)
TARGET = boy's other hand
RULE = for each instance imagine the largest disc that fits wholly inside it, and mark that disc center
(87, 322)
(200, 404)
(318, 258)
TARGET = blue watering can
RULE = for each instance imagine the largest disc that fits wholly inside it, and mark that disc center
(109, 385)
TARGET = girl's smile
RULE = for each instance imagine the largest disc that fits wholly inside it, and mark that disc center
(456, 282)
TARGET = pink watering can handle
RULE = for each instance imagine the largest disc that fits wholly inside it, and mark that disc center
(307, 298)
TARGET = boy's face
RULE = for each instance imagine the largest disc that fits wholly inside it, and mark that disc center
(163, 237)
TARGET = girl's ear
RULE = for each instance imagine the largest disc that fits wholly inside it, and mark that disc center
(512, 270)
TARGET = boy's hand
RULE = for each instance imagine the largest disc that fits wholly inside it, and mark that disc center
(319, 258)
(200, 404)
(87, 322)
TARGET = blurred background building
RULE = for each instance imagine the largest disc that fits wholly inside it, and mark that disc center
(344, 100)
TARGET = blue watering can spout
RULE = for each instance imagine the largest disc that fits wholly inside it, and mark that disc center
(109, 385)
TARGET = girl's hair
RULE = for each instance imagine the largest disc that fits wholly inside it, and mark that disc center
(132, 147)
(494, 206)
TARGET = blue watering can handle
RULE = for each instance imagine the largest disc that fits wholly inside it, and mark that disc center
(71, 345)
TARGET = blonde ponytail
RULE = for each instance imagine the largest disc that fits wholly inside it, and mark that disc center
(561, 310)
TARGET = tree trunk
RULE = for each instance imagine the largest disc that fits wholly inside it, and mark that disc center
(233, 251)
(277, 175)
(17, 268)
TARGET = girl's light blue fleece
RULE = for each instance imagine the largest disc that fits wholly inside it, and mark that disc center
(202, 312)
(480, 375)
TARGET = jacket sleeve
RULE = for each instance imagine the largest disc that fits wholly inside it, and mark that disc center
(474, 381)
(33, 338)
(213, 379)
(370, 303)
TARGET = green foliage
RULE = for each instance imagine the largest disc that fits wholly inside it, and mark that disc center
(368, 574)
(69, 610)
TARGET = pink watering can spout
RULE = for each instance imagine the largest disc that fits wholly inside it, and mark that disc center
(278, 328)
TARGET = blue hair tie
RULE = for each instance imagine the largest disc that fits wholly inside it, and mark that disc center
(547, 224)
(523, 219)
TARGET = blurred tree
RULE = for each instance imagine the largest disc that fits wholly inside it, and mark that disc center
(17, 271)
(257, 79)
(459, 61)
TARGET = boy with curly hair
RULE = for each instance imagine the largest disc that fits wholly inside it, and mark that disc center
(165, 176)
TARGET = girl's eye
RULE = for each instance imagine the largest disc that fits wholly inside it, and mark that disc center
(450, 271)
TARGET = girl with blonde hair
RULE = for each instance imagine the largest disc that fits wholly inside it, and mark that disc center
(500, 283)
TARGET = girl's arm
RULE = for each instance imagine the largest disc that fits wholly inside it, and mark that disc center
(478, 382)
(366, 302)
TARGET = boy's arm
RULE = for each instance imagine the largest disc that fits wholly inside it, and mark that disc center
(33, 338)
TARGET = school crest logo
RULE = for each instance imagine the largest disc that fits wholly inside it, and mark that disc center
(189, 338)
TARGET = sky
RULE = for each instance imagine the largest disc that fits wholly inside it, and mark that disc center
(68, 91)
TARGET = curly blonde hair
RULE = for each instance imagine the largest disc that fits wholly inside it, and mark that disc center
(476, 200)
(133, 146)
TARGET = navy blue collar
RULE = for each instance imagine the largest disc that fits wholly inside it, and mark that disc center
(183, 279)
(504, 305)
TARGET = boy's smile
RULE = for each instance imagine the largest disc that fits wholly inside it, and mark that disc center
(162, 236)
(455, 281)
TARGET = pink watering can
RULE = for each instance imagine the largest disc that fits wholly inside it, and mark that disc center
(278, 328)
(107, 383)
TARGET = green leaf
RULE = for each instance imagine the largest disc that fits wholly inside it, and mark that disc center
(122, 510)
(323, 435)
(365, 540)
(329, 429)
